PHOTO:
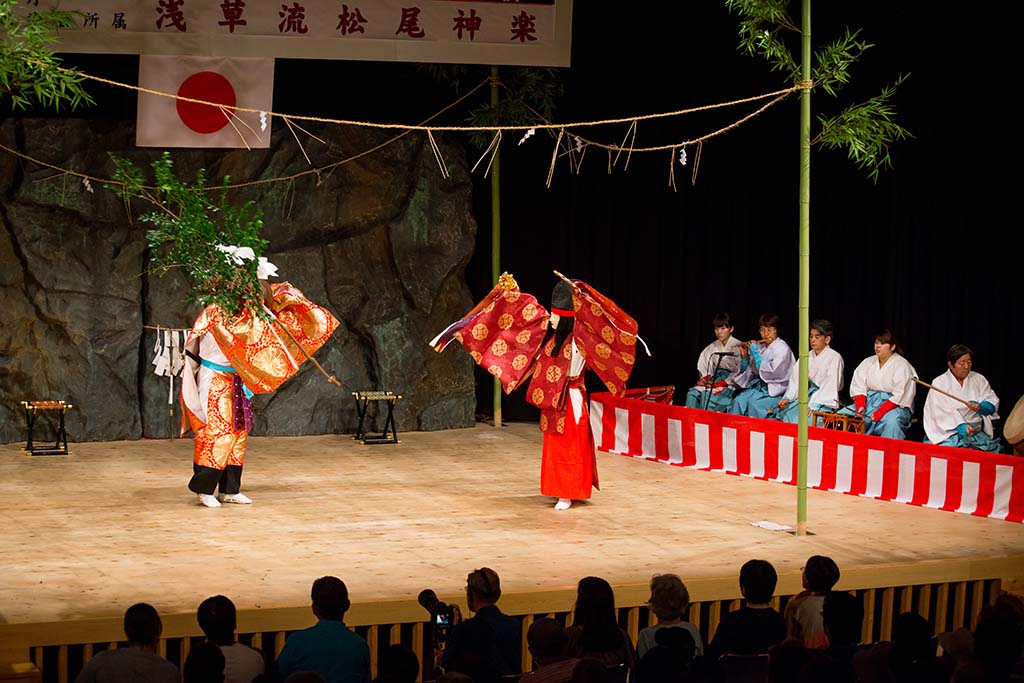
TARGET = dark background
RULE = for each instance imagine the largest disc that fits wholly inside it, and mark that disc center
(930, 251)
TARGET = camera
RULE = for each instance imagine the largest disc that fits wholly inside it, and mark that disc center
(442, 616)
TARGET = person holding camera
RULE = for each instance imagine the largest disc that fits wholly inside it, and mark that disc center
(489, 644)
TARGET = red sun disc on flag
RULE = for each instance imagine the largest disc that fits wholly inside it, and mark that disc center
(208, 86)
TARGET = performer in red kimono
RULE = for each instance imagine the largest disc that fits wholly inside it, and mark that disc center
(229, 360)
(511, 335)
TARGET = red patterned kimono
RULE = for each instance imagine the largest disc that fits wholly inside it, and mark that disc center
(228, 361)
(504, 332)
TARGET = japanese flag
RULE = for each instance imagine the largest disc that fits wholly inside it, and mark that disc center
(229, 81)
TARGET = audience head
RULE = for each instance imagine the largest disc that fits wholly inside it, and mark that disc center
(669, 659)
(669, 598)
(483, 587)
(595, 615)
(217, 618)
(998, 638)
(1010, 605)
(398, 664)
(546, 638)
(843, 615)
(786, 660)
(679, 643)
(330, 598)
(820, 574)
(204, 664)
(912, 638)
(595, 602)
(757, 581)
(142, 625)
(589, 670)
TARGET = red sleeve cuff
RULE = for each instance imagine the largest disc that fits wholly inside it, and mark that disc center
(882, 410)
(860, 402)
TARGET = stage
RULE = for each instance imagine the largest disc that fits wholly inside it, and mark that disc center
(88, 534)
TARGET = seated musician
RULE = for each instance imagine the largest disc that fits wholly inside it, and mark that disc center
(764, 371)
(824, 373)
(716, 366)
(883, 389)
(963, 423)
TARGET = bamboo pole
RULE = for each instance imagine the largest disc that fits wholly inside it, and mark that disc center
(496, 230)
(805, 269)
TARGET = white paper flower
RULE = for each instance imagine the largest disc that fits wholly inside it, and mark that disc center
(263, 120)
(682, 156)
(528, 134)
(237, 255)
(579, 144)
(265, 269)
(87, 185)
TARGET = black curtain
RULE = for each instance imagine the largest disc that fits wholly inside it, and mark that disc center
(929, 251)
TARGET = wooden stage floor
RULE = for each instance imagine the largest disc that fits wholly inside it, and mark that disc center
(88, 534)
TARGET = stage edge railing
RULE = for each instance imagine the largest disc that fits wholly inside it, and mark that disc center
(950, 594)
(951, 479)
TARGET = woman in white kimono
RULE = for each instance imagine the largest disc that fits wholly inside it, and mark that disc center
(949, 422)
(883, 389)
(717, 364)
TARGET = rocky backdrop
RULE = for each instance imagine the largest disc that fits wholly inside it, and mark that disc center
(381, 241)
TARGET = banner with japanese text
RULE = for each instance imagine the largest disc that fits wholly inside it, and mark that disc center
(454, 31)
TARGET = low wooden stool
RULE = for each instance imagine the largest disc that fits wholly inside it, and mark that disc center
(838, 421)
(363, 399)
(32, 409)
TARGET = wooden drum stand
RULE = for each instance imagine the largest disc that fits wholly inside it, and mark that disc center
(838, 421)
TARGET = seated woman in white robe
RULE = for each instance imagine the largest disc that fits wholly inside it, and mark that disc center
(764, 372)
(883, 389)
(949, 422)
(716, 366)
(824, 372)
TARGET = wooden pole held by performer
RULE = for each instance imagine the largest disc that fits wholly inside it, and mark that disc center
(330, 378)
(944, 393)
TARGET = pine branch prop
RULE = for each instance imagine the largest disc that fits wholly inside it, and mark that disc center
(189, 229)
